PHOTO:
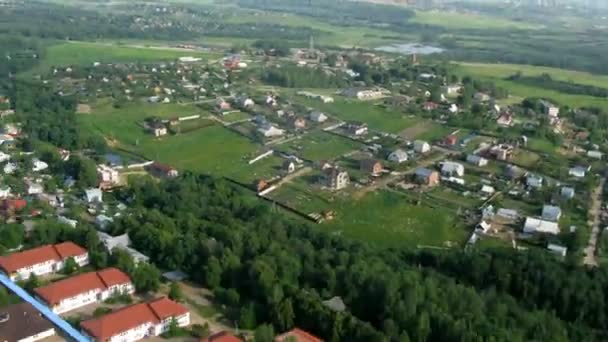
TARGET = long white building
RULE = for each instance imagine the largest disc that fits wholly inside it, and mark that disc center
(42, 260)
(84, 289)
(137, 322)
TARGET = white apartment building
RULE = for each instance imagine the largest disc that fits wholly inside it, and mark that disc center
(42, 260)
(107, 175)
(85, 289)
(136, 322)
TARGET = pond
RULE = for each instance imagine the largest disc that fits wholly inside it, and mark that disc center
(410, 49)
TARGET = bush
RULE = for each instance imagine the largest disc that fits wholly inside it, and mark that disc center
(101, 311)
(200, 331)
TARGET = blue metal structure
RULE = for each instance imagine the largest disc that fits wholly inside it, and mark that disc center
(44, 310)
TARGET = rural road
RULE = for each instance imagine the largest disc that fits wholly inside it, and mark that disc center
(596, 209)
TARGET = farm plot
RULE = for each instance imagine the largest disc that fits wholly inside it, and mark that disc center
(321, 146)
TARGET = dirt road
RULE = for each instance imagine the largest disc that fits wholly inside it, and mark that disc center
(596, 209)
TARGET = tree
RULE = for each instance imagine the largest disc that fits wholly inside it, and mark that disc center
(146, 278)
(264, 333)
(11, 236)
(175, 292)
(284, 316)
(70, 266)
(32, 282)
(247, 319)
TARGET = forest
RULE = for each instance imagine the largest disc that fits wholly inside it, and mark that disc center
(276, 270)
(297, 77)
(547, 82)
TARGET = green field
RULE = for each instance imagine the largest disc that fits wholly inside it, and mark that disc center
(321, 146)
(498, 72)
(386, 219)
(455, 20)
(83, 53)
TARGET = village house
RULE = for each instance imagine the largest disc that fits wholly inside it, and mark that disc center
(429, 106)
(453, 108)
(557, 250)
(318, 117)
(162, 170)
(451, 89)
(38, 165)
(357, 128)
(297, 335)
(371, 166)
(107, 176)
(93, 196)
(222, 336)
(158, 129)
(481, 97)
(551, 213)
(289, 166)
(578, 171)
(136, 322)
(270, 131)
(363, 94)
(35, 189)
(421, 147)
(102, 222)
(567, 192)
(595, 155)
(334, 178)
(84, 289)
(22, 322)
(477, 160)
(451, 169)
(551, 110)
(222, 105)
(505, 120)
(4, 157)
(534, 182)
(450, 140)
(398, 156)
(5, 192)
(42, 260)
(427, 177)
(298, 123)
(502, 152)
(123, 243)
(533, 225)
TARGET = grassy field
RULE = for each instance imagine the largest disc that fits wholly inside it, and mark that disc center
(386, 219)
(320, 145)
(497, 73)
(456, 20)
(83, 53)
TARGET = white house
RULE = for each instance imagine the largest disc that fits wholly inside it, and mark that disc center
(398, 156)
(67, 221)
(39, 165)
(10, 168)
(121, 242)
(477, 160)
(318, 117)
(449, 168)
(551, 213)
(94, 195)
(107, 175)
(42, 260)
(451, 89)
(534, 182)
(5, 192)
(578, 172)
(270, 131)
(35, 189)
(488, 190)
(84, 289)
(137, 322)
(557, 249)
(551, 110)
(595, 155)
(421, 146)
(568, 192)
(534, 225)
(4, 157)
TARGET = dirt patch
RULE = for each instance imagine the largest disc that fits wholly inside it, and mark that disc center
(411, 133)
(83, 109)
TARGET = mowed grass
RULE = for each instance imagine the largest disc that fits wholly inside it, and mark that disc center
(385, 219)
(455, 20)
(497, 73)
(83, 53)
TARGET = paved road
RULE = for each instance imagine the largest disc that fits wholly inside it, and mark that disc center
(596, 209)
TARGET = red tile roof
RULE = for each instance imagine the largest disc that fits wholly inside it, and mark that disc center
(299, 335)
(62, 251)
(103, 328)
(223, 336)
(54, 293)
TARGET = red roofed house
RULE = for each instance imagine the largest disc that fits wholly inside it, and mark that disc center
(81, 290)
(428, 106)
(451, 140)
(11, 206)
(297, 335)
(137, 322)
(223, 336)
(42, 260)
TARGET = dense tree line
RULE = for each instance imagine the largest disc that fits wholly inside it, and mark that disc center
(277, 270)
(547, 82)
(302, 77)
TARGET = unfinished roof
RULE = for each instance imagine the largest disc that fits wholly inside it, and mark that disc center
(22, 321)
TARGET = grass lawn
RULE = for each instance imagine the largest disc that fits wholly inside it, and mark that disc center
(320, 146)
(302, 194)
(122, 123)
(455, 20)
(376, 117)
(266, 169)
(83, 53)
(386, 219)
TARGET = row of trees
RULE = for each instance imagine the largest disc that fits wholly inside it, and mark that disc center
(296, 77)
(547, 82)
(279, 271)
